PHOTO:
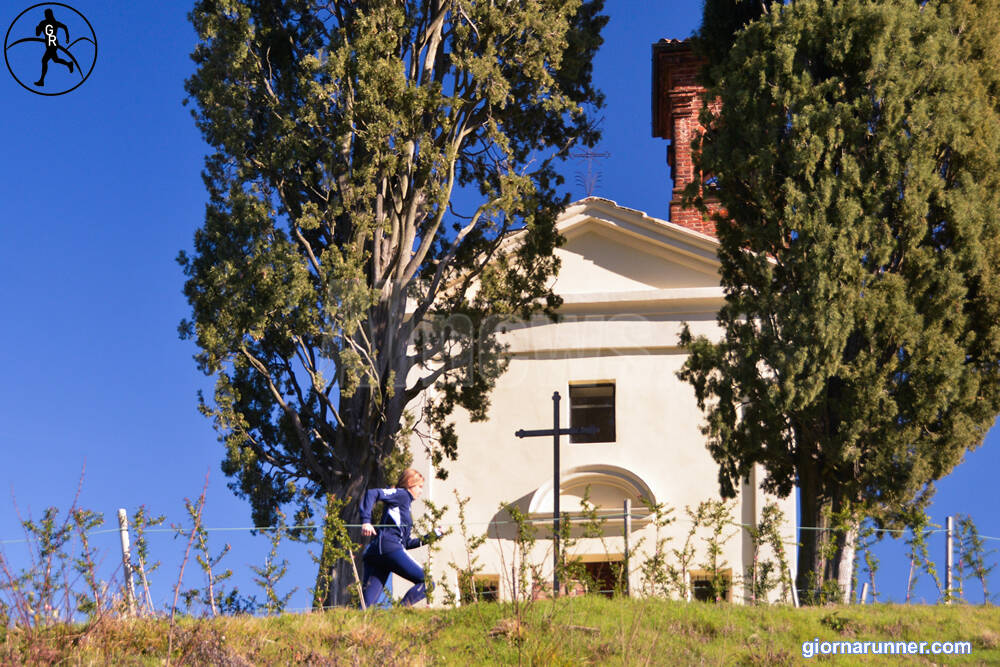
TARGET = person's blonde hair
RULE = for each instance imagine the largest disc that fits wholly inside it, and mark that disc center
(409, 477)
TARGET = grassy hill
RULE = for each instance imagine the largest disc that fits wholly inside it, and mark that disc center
(574, 631)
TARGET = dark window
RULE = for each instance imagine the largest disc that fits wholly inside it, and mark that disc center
(482, 588)
(593, 405)
(704, 590)
(488, 590)
(604, 577)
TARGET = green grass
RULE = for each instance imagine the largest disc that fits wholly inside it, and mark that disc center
(576, 631)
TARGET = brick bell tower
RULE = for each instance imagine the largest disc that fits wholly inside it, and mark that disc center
(676, 105)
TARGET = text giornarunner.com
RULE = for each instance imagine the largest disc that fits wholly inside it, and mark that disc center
(811, 649)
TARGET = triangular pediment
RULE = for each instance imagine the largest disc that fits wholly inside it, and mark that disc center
(610, 248)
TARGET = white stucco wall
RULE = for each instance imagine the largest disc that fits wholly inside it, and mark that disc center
(629, 282)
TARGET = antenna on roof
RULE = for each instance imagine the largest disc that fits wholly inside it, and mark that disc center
(591, 178)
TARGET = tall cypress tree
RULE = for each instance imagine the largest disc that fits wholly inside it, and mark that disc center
(855, 158)
(335, 280)
(720, 21)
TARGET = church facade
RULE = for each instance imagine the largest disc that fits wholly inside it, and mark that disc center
(629, 282)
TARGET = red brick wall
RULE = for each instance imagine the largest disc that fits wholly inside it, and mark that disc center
(676, 105)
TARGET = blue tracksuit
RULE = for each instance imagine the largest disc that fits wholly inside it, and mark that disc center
(386, 553)
(396, 520)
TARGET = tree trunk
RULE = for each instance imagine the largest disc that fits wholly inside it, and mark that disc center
(366, 438)
(812, 522)
(341, 581)
(335, 574)
(826, 551)
(341, 572)
(846, 549)
(844, 540)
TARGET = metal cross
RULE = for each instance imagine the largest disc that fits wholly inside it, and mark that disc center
(555, 432)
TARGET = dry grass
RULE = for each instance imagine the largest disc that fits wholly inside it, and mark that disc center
(577, 631)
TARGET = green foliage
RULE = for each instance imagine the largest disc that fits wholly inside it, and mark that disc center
(141, 521)
(40, 586)
(587, 524)
(916, 551)
(273, 571)
(717, 516)
(336, 546)
(855, 155)
(593, 525)
(867, 538)
(60, 579)
(524, 571)
(570, 571)
(680, 574)
(720, 21)
(93, 600)
(656, 577)
(337, 277)
(820, 592)
(663, 575)
(974, 555)
(467, 571)
(764, 575)
(212, 595)
(428, 527)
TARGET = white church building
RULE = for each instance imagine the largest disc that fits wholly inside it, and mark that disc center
(628, 283)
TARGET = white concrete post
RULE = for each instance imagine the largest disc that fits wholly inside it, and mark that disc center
(628, 529)
(126, 561)
(949, 558)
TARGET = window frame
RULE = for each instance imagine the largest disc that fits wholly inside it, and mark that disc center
(593, 384)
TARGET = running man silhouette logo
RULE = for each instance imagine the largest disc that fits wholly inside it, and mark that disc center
(29, 56)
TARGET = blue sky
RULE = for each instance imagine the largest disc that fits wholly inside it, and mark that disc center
(101, 188)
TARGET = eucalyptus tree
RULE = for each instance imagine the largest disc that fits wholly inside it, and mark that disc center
(382, 186)
(854, 159)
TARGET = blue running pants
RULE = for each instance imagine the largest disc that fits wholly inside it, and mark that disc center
(378, 567)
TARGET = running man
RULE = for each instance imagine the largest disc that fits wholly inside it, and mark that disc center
(51, 28)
